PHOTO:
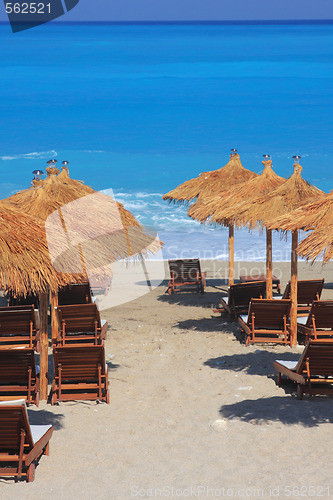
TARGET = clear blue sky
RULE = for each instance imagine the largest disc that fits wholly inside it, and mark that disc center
(133, 10)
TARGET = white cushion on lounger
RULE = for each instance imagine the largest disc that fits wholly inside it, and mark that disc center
(225, 299)
(278, 297)
(15, 402)
(291, 365)
(38, 431)
(244, 317)
(301, 320)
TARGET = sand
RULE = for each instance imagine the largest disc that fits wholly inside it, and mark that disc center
(193, 412)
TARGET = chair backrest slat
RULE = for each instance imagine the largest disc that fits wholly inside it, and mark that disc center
(75, 294)
(322, 310)
(79, 363)
(79, 317)
(17, 320)
(14, 418)
(185, 269)
(320, 355)
(307, 291)
(14, 365)
(240, 294)
(269, 314)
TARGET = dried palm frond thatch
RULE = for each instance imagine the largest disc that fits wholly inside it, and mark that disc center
(260, 210)
(211, 182)
(25, 265)
(213, 207)
(318, 245)
(317, 213)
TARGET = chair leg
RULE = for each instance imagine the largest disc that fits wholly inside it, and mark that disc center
(278, 379)
(299, 391)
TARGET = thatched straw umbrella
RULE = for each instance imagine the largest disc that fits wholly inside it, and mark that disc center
(260, 211)
(108, 231)
(208, 183)
(50, 200)
(25, 267)
(214, 207)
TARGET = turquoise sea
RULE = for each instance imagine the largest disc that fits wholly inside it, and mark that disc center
(141, 108)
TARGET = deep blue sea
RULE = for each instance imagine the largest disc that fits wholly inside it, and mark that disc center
(142, 108)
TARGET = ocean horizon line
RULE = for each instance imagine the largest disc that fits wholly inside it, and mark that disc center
(195, 23)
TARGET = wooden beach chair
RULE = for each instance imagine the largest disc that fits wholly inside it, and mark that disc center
(20, 300)
(307, 292)
(186, 272)
(19, 327)
(21, 444)
(80, 323)
(76, 293)
(318, 325)
(267, 321)
(80, 373)
(239, 297)
(18, 375)
(313, 372)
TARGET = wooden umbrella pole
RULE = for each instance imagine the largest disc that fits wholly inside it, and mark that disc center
(293, 288)
(54, 317)
(269, 274)
(231, 255)
(44, 344)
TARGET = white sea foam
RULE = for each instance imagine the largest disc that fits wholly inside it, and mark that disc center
(184, 237)
(37, 155)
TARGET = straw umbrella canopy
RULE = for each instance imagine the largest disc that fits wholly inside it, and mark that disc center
(261, 210)
(208, 183)
(51, 201)
(52, 193)
(25, 265)
(215, 207)
(318, 244)
(316, 216)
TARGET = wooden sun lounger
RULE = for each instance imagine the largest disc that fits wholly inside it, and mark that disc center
(80, 374)
(186, 272)
(21, 444)
(20, 300)
(267, 321)
(18, 377)
(307, 292)
(78, 293)
(80, 323)
(239, 297)
(313, 372)
(19, 327)
(318, 325)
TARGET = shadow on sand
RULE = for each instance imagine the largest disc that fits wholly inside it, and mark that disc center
(45, 417)
(253, 363)
(191, 298)
(213, 324)
(310, 412)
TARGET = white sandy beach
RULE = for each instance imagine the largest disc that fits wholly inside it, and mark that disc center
(192, 411)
